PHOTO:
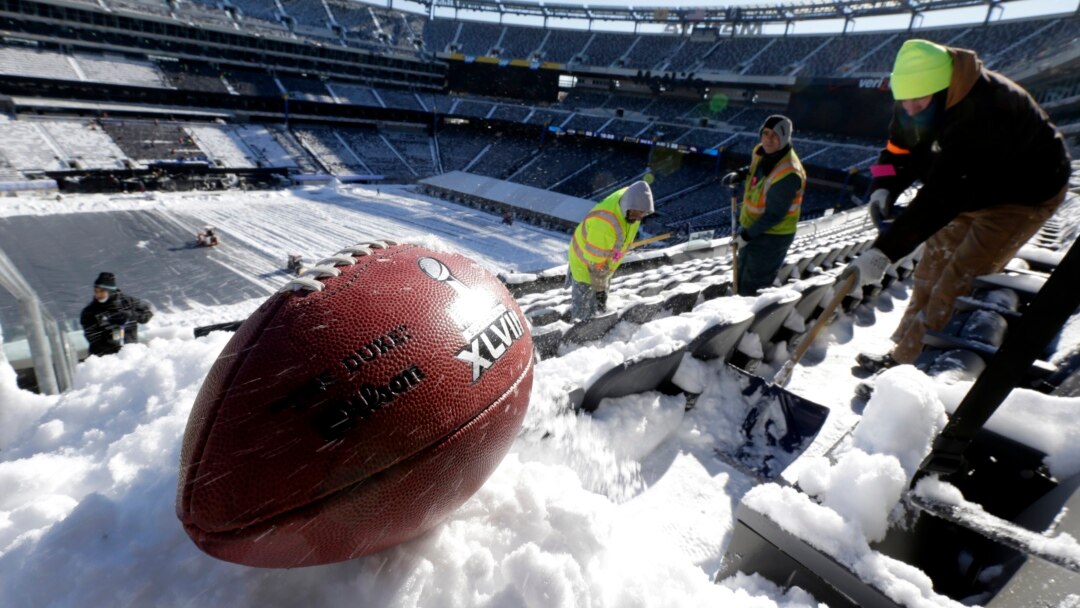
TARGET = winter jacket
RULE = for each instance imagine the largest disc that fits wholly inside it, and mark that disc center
(110, 324)
(987, 143)
(774, 193)
(601, 240)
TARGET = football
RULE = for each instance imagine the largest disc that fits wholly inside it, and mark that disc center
(355, 409)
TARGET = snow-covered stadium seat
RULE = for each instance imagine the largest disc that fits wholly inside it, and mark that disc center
(27, 61)
(222, 145)
(84, 143)
(119, 69)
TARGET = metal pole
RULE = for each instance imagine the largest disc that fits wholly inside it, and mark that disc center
(40, 350)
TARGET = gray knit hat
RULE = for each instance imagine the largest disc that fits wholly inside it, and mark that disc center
(638, 196)
(781, 125)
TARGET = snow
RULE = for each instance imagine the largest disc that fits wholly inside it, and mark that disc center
(628, 507)
(896, 432)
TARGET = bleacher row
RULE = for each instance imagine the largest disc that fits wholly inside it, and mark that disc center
(692, 284)
(34, 146)
(338, 21)
(679, 282)
(672, 120)
(687, 195)
(1003, 44)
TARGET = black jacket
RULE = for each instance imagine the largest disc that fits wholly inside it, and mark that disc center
(990, 144)
(101, 322)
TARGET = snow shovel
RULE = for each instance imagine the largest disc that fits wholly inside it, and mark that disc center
(778, 418)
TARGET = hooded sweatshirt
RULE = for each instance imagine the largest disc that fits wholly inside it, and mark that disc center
(990, 144)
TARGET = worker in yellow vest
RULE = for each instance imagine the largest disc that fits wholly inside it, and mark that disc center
(774, 187)
(599, 243)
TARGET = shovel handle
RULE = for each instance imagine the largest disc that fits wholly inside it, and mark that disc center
(785, 372)
(651, 239)
(734, 246)
(734, 267)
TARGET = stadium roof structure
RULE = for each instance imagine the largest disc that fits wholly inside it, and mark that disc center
(706, 16)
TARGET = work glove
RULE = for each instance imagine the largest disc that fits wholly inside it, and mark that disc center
(740, 240)
(735, 176)
(599, 279)
(881, 209)
(869, 268)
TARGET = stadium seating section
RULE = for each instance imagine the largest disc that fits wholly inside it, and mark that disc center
(687, 195)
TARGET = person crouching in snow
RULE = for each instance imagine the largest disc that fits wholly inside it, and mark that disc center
(599, 243)
(111, 319)
(993, 169)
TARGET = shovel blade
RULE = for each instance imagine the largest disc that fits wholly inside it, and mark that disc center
(778, 427)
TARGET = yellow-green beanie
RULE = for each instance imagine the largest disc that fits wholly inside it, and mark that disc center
(922, 68)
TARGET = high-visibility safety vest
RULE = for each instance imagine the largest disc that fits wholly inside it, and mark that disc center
(758, 189)
(601, 239)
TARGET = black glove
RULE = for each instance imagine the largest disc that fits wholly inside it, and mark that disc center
(735, 176)
(601, 301)
(142, 314)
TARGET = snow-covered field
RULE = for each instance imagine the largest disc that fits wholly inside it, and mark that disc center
(628, 507)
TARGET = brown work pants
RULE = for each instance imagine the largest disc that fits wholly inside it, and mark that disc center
(973, 244)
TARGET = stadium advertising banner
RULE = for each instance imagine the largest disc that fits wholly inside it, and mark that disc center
(647, 141)
(860, 107)
(495, 77)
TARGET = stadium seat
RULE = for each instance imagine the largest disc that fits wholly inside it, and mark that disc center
(591, 329)
(643, 311)
(546, 340)
(766, 323)
(543, 316)
(1025, 286)
(681, 300)
(719, 341)
(806, 309)
(716, 289)
(632, 377)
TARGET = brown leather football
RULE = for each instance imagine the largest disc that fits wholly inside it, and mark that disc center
(355, 409)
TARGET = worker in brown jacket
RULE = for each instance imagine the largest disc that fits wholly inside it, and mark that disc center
(993, 169)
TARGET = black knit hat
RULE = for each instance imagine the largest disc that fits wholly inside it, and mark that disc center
(106, 280)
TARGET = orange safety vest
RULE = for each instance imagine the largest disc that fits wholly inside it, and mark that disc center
(757, 192)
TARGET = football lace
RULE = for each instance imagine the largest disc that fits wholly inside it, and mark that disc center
(328, 267)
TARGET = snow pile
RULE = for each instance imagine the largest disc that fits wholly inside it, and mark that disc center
(896, 432)
(89, 490)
